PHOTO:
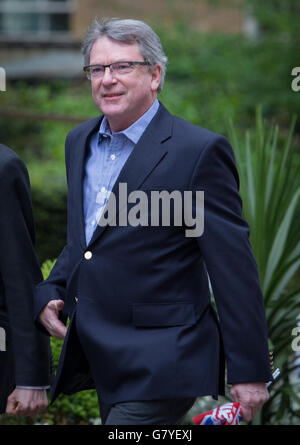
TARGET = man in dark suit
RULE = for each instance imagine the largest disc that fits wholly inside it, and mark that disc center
(142, 327)
(24, 352)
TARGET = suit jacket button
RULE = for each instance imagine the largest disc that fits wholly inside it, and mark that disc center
(88, 255)
(76, 299)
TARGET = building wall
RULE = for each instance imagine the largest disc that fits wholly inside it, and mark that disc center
(205, 15)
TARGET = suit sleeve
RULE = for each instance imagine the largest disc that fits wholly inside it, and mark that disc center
(54, 288)
(231, 266)
(20, 273)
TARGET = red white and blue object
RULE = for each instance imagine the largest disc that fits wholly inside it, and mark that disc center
(227, 414)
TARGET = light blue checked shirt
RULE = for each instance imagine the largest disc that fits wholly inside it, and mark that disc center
(108, 153)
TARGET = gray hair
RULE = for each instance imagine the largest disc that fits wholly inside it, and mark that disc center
(128, 31)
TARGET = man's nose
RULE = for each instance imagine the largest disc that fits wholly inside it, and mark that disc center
(108, 76)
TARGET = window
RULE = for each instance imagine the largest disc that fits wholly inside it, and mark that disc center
(35, 17)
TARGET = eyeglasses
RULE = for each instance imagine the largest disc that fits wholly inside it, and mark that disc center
(116, 68)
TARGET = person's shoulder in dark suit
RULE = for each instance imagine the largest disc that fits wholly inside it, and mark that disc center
(27, 348)
(10, 160)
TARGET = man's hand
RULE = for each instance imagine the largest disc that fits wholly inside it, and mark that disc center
(26, 402)
(49, 318)
(251, 397)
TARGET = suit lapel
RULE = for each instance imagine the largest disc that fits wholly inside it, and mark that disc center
(148, 152)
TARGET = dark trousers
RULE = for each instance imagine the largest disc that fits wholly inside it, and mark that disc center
(146, 412)
(7, 383)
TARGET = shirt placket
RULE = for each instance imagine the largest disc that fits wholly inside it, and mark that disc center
(104, 189)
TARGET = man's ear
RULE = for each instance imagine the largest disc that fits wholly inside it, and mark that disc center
(155, 77)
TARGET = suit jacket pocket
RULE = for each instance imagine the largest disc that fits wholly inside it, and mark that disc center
(163, 314)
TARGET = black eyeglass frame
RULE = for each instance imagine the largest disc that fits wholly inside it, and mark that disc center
(87, 68)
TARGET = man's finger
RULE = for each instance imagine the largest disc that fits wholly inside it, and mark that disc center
(57, 329)
(55, 305)
(247, 413)
(22, 410)
(11, 407)
(49, 318)
(33, 410)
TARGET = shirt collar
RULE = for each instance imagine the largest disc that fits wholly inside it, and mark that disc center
(135, 131)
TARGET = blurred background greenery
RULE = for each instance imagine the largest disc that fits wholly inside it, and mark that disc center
(231, 79)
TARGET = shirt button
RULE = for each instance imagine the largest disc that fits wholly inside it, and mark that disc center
(113, 157)
(88, 255)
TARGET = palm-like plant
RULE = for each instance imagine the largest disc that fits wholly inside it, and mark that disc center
(270, 189)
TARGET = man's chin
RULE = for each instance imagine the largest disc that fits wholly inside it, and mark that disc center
(111, 108)
(111, 112)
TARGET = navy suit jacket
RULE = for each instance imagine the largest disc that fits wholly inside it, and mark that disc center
(142, 325)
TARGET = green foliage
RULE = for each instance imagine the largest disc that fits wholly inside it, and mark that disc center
(78, 409)
(277, 17)
(47, 267)
(270, 189)
(212, 78)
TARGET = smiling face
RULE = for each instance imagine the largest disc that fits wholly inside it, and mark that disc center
(124, 98)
